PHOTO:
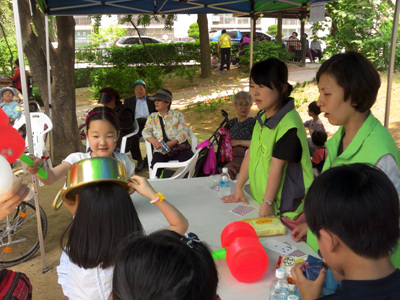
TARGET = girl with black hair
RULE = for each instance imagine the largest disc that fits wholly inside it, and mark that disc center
(105, 216)
(277, 163)
(165, 265)
(102, 133)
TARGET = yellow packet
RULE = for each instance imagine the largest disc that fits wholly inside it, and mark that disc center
(268, 226)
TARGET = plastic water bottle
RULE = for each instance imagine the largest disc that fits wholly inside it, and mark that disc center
(297, 292)
(279, 289)
(224, 183)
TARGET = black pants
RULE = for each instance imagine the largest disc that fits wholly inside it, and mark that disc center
(135, 146)
(159, 157)
(316, 53)
(225, 58)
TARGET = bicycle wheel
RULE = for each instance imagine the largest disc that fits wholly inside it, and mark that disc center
(19, 241)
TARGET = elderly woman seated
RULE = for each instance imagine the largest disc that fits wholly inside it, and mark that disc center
(166, 126)
(240, 129)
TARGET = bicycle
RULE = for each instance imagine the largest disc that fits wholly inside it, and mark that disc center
(18, 234)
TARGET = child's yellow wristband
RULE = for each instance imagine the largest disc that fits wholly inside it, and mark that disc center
(160, 197)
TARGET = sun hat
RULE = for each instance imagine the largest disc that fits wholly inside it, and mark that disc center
(6, 89)
(139, 81)
(162, 95)
(5, 78)
(87, 171)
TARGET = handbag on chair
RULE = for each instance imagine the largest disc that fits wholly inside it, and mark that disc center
(178, 147)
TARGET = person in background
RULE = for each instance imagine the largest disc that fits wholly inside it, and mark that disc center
(167, 125)
(316, 49)
(315, 124)
(318, 159)
(110, 97)
(224, 43)
(240, 130)
(141, 107)
(308, 52)
(214, 61)
(6, 81)
(17, 76)
(354, 212)
(9, 106)
(181, 266)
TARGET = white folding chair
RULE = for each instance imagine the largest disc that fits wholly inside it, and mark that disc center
(127, 136)
(41, 125)
(183, 168)
(172, 164)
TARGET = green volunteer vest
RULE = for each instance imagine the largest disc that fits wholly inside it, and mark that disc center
(371, 142)
(296, 178)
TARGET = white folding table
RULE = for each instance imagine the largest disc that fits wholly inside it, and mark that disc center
(207, 216)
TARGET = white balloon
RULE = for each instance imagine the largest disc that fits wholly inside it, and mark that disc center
(6, 175)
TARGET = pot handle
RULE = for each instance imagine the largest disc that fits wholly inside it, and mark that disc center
(58, 201)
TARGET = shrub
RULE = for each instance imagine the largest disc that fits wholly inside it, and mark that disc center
(263, 50)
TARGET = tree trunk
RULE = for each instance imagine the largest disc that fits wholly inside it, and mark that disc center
(204, 46)
(65, 129)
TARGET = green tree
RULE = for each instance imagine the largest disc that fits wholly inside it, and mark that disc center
(194, 32)
(273, 30)
(358, 26)
(8, 42)
(106, 35)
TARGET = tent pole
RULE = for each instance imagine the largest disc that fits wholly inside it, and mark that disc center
(391, 62)
(252, 21)
(46, 20)
(28, 126)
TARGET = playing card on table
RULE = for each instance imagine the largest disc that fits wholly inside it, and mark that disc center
(241, 210)
(283, 248)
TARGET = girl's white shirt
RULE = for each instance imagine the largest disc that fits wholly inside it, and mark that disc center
(79, 283)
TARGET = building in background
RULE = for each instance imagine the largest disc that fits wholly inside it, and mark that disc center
(83, 26)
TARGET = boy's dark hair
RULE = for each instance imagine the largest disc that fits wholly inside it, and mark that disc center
(313, 107)
(104, 217)
(356, 75)
(273, 74)
(103, 113)
(359, 204)
(319, 138)
(162, 266)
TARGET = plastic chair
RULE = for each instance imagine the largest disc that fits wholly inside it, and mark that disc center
(183, 168)
(127, 136)
(41, 125)
(172, 164)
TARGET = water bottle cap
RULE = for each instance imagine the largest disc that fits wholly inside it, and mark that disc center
(280, 273)
(224, 170)
(292, 297)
